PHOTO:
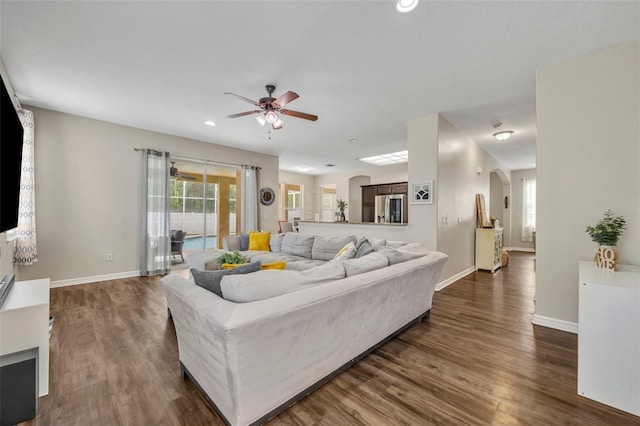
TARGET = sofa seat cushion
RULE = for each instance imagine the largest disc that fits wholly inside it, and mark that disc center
(325, 248)
(297, 244)
(273, 282)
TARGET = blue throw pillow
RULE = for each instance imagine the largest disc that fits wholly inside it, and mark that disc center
(210, 280)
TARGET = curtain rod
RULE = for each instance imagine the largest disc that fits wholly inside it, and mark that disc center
(199, 160)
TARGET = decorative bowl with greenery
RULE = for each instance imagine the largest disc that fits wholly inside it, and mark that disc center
(608, 229)
(231, 257)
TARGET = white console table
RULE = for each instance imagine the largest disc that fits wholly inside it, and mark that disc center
(609, 336)
(24, 324)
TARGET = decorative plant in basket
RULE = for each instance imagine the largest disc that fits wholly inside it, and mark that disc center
(606, 233)
(231, 258)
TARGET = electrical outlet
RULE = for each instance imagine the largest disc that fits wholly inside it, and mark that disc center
(109, 257)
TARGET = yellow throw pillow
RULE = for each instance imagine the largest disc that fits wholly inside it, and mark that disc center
(280, 264)
(259, 240)
(230, 265)
(346, 252)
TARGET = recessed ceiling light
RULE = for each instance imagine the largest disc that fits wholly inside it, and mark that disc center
(405, 6)
(209, 123)
(386, 159)
(353, 140)
(304, 168)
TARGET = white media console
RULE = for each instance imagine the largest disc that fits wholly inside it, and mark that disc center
(24, 325)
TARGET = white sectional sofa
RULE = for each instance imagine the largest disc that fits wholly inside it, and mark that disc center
(253, 360)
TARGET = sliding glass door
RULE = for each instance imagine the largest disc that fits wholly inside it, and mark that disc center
(203, 203)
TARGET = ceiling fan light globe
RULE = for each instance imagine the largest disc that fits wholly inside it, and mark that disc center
(261, 120)
(271, 117)
(277, 124)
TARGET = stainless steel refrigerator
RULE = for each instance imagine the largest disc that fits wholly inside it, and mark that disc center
(391, 208)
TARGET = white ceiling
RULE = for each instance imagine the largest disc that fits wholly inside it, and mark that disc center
(363, 68)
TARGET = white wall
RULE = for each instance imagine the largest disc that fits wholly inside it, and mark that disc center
(588, 158)
(88, 196)
(459, 158)
(354, 209)
(423, 166)
(516, 208)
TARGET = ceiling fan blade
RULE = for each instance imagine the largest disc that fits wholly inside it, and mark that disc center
(299, 114)
(242, 114)
(285, 99)
(187, 177)
(243, 98)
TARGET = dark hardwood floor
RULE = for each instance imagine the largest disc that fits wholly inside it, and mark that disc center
(477, 361)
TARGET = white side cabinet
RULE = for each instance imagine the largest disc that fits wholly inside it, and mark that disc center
(488, 248)
(609, 336)
(24, 324)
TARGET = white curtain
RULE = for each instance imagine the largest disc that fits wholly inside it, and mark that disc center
(528, 208)
(26, 252)
(155, 241)
(249, 199)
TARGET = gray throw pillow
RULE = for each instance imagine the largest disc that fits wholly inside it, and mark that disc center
(364, 249)
(244, 242)
(361, 241)
(210, 280)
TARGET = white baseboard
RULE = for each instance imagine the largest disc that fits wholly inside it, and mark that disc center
(571, 327)
(95, 279)
(454, 278)
(530, 250)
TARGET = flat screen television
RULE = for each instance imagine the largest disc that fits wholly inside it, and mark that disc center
(11, 134)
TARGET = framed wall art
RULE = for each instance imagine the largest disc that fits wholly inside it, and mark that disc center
(422, 192)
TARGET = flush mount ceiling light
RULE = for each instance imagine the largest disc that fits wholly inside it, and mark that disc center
(386, 159)
(303, 168)
(405, 6)
(209, 123)
(503, 134)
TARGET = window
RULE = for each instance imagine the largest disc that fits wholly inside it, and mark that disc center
(291, 201)
(328, 210)
(528, 209)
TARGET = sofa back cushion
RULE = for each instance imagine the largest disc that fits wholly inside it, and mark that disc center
(274, 282)
(210, 280)
(297, 244)
(360, 265)
(325, 248)
(275, 242)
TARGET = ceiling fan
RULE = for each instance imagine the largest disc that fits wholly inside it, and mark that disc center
(270, 107)
(174, 173)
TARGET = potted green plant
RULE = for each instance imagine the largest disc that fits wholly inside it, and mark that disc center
(232, 258)
(342, 205)
(606, 233)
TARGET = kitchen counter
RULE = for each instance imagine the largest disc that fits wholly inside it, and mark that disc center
(353, 223)
(389, 231)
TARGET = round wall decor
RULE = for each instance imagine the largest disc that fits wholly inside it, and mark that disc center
(267, 196)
